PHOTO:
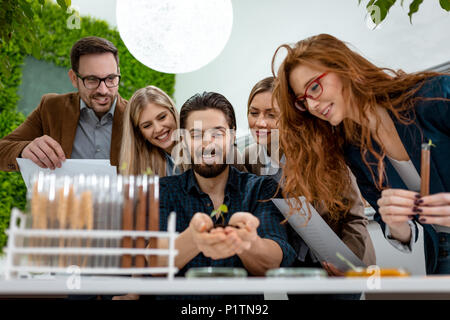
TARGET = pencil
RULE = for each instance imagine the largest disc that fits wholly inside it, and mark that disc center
(425, 170)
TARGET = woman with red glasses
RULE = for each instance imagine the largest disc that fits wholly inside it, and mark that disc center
(339, 110)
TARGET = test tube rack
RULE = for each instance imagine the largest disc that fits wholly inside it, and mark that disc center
(17, 253)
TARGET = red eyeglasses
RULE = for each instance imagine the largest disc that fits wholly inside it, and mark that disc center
(313, 91)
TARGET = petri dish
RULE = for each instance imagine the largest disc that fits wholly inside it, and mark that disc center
(297, 273)
(216, 272)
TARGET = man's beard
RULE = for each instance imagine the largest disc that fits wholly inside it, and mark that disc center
(92, 97)
(209, 170)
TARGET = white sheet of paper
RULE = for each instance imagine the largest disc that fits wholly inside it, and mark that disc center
(319, 237)
(70, 167)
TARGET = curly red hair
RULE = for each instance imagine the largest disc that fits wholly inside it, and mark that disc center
(315, 164)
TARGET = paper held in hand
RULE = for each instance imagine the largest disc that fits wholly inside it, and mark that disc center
(316, 233)
(70, 167)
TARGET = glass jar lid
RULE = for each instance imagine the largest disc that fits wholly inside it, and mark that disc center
(297, 273)
(216, 272)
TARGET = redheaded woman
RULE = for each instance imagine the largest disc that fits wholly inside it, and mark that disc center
(339, 110)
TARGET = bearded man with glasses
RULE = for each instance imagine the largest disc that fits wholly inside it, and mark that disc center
(86, 124)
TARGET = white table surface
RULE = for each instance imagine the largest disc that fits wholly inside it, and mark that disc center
(254, 285)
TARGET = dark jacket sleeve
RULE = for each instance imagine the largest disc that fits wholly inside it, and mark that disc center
(371, 195)
(433, 106)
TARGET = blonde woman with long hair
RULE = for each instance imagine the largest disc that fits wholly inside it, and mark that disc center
(149, 133)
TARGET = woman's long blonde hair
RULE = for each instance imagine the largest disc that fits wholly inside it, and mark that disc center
(137, 155)
(315, 163)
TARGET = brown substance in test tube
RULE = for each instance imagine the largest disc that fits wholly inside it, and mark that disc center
(74, 220)
(35, 204)
(425, 170)
(87, 218)
(140, 225)
(127, 224)
(153, 216)
(52, 208)
(39, 215)
(62, 218)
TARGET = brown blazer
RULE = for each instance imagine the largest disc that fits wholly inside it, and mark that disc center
(56, 116)
(351, 229)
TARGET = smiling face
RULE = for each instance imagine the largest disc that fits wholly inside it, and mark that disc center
(157, 125)
(209, 141)
(98, 65)
(263, 118)
(331, 105)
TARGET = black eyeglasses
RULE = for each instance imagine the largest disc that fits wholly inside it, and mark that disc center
(93, 82)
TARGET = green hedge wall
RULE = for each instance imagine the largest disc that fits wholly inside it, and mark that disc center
(56, 42)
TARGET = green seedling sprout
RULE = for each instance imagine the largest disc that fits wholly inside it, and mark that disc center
(218, 213)
(431, 144)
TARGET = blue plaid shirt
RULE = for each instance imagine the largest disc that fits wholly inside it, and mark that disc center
(243, 191)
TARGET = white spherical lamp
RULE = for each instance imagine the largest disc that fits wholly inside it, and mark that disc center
(175, 36)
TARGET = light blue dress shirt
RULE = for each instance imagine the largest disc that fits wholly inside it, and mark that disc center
(93, 136)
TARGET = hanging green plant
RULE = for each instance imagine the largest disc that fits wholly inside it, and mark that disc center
(379, 9)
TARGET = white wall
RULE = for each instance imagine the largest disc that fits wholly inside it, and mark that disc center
(389, 257)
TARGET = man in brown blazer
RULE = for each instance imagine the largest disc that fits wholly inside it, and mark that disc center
(82, 125)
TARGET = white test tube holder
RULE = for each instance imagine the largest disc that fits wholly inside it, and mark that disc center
(17, 230)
